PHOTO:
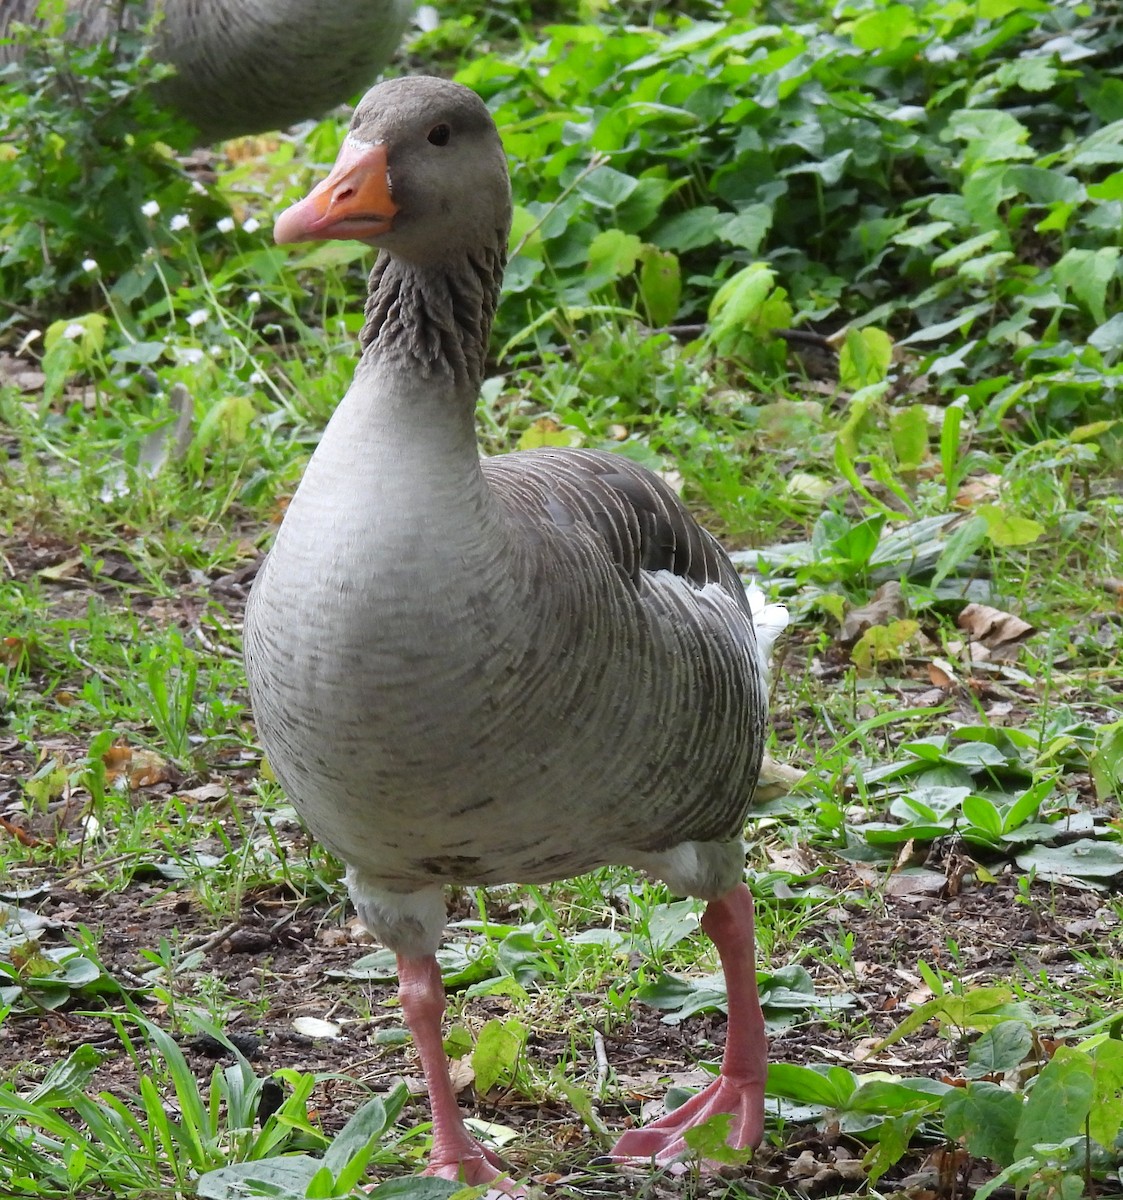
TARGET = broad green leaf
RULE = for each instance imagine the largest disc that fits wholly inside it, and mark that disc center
(87, 332)
(1026, 807)
(356, 1140)
(972, 1010)
(883, 643)
(977, 755)
(660, 284)
(949, 445)
(986, 1116)
(739, 298)
(964, 541)
(986, 268)
(1082, 859)
(1044, 186)
(1106, 763)
(526, 233)
(922, 235)
(546, 432)
(417, 1187)
(1110, 188)
(1036, 74)
(227, 421)
(749, 227)
(908, 431)
(497, 1052)
(1106, 1116)
(690, 230)
(1006, 529)
(993, 135)
(865, 357)
(884, 28)
(894, 1096)
(999, 1050)
(1108, 337)
(612, 254)
(287, 1177)
(669, 924)
(893, 1137)
(831, 1087)
(606, 187)
(1059, 1103)
(709, 1141)
(1087, 274)
(857, 544)
(1104, 145)
(982, 813)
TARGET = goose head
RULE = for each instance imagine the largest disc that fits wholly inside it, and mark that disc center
(421, 175)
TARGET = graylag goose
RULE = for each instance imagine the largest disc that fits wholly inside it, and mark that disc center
(244, 66)
(508, 670)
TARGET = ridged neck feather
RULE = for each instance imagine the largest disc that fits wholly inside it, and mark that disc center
(435, 319)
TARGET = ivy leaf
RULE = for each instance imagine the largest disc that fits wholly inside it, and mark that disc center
(999, 1049)
(986, 1116)
(1005, 529)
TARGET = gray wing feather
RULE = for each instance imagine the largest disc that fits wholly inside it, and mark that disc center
(645, 526)
(707, 699)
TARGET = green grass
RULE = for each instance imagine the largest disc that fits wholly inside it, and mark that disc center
(932, 187)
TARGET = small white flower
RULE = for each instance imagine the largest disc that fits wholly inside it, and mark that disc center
(150, 208)
(198, 188)
(253, 298)
(187, 356)
(216, 350)
(225, 225)
(89, 264)
(251, 225)
(73, 331)
(257, 377)
(197, 317)
(178, 222)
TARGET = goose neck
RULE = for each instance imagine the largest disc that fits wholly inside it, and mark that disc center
(433, 320)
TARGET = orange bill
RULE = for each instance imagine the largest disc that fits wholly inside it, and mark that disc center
(354, 201)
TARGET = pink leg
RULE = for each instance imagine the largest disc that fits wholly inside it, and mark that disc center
(739, 1088)
(456, 1155)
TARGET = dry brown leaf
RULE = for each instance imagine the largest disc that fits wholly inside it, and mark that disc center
(206, 791)
(885, 605)
(806, 1164)
(140, 768)
(12, 649)
(991, 627)
(941, 674)
(917, 882)
(982, 489)
(461, 1073)
(791, 860)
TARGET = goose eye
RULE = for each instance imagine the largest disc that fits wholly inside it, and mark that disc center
(439, 135)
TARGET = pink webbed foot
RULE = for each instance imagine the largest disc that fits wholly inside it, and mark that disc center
(662, 1141)
(739, 1089)
(477, 1166)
